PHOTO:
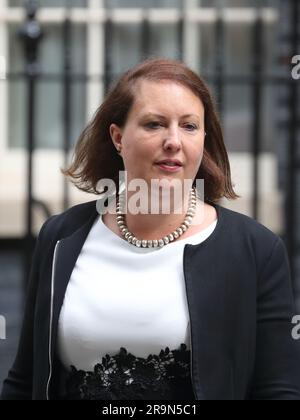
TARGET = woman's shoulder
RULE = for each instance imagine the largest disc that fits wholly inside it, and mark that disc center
(68, 221)
(241, 225)
(251, 239)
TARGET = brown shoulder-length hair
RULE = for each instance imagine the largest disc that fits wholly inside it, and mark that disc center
(95, 156)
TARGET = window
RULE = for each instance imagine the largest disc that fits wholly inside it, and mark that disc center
(49, 113)
(123, 49)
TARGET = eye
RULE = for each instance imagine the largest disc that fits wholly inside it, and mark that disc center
(157, 124)
(191, 127)
(152, 124)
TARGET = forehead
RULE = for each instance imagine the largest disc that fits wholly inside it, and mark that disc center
(165, 96)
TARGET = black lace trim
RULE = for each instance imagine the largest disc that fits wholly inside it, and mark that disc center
(125, 376)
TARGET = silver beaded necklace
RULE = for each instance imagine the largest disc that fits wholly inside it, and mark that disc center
(157, 243)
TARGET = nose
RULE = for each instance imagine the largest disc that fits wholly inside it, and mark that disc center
(172, 140)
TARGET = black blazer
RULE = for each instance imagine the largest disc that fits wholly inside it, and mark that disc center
(240, 304)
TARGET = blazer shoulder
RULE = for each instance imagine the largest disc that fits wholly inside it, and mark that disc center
(252, 239)
(242, 224)
(68, 221)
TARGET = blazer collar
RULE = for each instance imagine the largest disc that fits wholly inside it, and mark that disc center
(67, 254)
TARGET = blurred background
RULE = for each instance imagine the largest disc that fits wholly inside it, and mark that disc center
(57, 59)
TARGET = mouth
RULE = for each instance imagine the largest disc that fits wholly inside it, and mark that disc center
(168, 167)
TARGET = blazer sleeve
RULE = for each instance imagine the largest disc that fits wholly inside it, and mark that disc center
(18, 384)
(277, 365)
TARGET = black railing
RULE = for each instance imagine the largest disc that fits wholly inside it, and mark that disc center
(31, 34)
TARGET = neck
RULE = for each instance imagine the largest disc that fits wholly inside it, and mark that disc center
(151, 226)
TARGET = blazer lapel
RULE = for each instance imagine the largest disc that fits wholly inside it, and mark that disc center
(67, 254)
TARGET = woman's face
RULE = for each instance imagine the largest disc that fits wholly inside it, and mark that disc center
(166, 121)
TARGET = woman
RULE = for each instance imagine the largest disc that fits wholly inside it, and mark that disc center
(195, 304)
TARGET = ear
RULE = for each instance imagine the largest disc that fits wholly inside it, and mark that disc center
(116, 135)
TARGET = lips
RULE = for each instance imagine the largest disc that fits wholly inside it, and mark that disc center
(170, 162)
(169, 168)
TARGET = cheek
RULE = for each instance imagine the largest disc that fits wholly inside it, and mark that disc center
(196, 153)
(135, 142)
(146, 151)
(195, 158)
(140, 155)
(201, 152)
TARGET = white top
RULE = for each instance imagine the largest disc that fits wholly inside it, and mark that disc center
(123, 296)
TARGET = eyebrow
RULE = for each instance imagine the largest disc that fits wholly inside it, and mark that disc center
(151, 114)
